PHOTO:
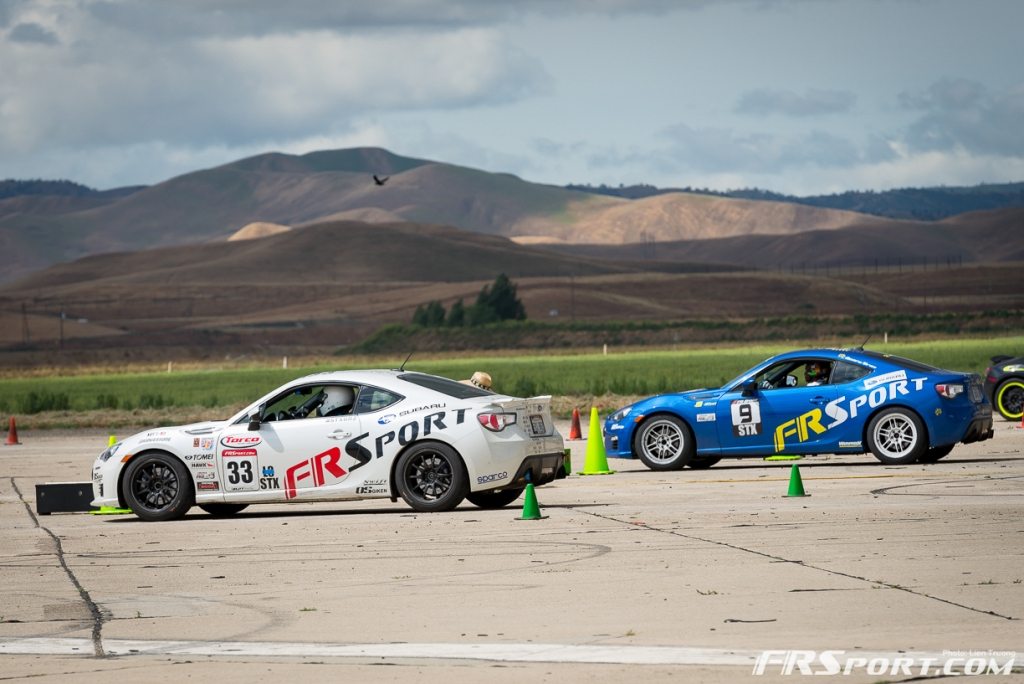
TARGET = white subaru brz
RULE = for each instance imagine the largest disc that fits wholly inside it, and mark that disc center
(337, 436)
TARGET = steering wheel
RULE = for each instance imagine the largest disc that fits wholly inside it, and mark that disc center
(309, 405)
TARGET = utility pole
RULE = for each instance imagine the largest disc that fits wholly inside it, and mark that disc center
(24, 325)
(60, 341)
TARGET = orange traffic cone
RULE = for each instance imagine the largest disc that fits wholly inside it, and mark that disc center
(574, 430)
(12, 434)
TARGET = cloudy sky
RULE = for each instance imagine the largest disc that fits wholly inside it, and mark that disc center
(797, 96)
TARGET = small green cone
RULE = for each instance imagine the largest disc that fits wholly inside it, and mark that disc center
(110, 510)
(567, 463)
(531, 509)
(112, 441)
(796, 485)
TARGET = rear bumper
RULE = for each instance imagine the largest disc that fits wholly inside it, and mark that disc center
(979, 430)
(539, 469)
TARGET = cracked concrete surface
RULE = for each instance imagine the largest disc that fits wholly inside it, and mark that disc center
(922, 558)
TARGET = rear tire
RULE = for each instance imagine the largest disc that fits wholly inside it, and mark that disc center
(222, 510)
(896, 436)
(492, 499)
(664, 443)
(157, 487)
(431, 477)
(1009, 399)
(936, 453)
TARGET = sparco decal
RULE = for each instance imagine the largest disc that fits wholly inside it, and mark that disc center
(409, 432)
(236, 441)
(313, 469)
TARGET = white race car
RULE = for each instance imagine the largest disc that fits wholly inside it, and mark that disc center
(340, 436)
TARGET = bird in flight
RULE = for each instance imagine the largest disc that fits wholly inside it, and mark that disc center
(380, 181)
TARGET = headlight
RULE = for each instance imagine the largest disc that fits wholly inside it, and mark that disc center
(110, 451)
(620, 414)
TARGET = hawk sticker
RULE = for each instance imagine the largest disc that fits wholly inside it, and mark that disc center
(746, 417)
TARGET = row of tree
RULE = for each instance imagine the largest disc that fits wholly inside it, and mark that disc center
(496, 302)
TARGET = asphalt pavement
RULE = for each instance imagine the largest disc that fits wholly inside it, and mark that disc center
(634, 576)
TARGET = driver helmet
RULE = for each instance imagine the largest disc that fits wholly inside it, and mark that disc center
(816, 371)
(337, 397)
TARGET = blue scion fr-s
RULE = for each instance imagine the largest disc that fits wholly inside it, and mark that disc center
(816, 401)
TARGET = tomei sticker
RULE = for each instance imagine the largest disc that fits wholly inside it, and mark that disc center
(746, 417)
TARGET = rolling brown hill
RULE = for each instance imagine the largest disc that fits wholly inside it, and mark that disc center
(211, 205)
(334, 283)
(978, 236)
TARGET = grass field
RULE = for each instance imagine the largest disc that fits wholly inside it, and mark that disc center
(141, 398)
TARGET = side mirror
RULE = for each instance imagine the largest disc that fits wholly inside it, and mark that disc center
(254, 421)
(749, 387)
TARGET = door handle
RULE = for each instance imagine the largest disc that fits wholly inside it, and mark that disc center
(339, 434)
(820, 401)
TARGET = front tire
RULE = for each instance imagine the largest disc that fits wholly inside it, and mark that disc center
(896, 436)
(664, 443)
(703, 462)
(1009, 399)
(431, 477)
(157, 487)
(492, 499)
(223, 510)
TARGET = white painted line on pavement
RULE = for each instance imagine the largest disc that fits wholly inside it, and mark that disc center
(506, 652)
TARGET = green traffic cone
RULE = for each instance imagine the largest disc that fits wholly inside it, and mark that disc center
(596, 462)
(531, 509)
(567, 463)
(796, 485)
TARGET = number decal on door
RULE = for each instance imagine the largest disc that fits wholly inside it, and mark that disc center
(746, 417)
(240, 471)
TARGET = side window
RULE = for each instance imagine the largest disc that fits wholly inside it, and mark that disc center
(848, 372)
(296, 403)
(374, 399)
(776, 376)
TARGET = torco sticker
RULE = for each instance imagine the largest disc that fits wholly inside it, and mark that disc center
(705, 417)
(746, 417)
(240, 441)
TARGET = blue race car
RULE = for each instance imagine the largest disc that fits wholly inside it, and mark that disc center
(816, 401)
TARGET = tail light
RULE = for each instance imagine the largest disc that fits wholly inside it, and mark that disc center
(496, 422)
(949, 390)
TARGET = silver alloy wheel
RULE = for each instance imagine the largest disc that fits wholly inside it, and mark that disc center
(663, 441)
(895, 435)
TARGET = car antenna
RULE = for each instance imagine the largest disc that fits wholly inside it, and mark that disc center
(402, 367)
(861, 347)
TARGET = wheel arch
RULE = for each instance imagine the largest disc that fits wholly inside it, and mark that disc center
(883, 407)
(655, 414)
(124, 471)
(393, 481)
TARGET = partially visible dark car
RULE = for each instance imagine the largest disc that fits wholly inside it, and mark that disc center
(1004, 385)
